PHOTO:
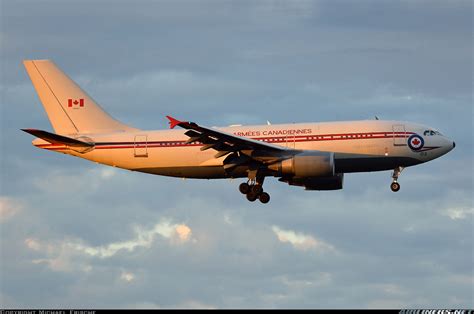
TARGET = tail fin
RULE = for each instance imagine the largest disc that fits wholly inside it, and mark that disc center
(70, 110)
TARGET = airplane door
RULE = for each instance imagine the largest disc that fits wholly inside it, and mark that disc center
(140, 147)
(399, 135)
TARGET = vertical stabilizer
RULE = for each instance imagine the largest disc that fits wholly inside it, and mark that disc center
(70, 110)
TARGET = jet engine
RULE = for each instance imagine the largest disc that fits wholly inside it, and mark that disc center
(313, 170)
(306, 164)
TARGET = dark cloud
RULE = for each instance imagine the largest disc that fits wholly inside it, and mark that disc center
(244, 62)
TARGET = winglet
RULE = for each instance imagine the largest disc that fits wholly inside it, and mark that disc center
(173, 122)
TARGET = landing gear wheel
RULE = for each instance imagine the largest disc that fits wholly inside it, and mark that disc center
(251, 197)
(257, 189)
(264, 197)
(244, 188)
(395, 186)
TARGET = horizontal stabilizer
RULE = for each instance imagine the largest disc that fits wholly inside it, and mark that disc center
(57, 139)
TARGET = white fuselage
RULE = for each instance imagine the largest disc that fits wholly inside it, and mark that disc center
(358, 146)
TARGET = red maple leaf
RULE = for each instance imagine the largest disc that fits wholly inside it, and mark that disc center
(415, 142)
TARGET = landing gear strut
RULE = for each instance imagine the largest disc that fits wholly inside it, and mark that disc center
(253, 188)
(395, 186)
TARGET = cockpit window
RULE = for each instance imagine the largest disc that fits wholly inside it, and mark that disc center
(431, 132)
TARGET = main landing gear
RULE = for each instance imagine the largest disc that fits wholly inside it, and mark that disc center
(253, 188)
(395, 186)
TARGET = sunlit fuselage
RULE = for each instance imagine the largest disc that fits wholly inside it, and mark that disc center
(359, 146)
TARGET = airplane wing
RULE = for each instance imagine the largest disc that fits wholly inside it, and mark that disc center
(240, 150)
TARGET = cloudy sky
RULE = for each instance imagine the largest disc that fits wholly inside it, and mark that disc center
(77, 234)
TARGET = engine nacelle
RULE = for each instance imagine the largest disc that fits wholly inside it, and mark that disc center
(307, 164)
(321, 183)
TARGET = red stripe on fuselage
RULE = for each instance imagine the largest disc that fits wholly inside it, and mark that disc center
(273, 139)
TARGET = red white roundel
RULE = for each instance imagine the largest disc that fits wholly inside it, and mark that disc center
(416, 142)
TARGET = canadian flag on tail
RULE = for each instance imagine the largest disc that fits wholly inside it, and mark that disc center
(75, 102)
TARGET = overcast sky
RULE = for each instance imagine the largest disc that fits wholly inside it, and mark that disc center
(78, 234)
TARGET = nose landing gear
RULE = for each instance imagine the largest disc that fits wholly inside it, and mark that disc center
(395, 186)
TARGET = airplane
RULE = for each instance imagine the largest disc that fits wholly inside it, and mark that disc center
(314, 156)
